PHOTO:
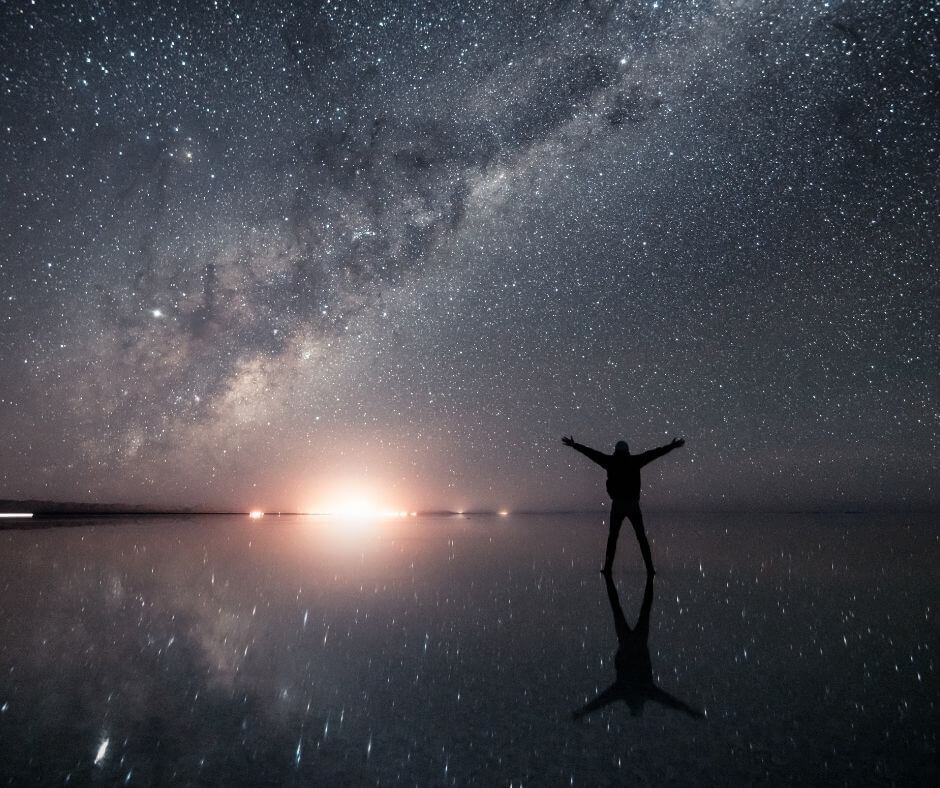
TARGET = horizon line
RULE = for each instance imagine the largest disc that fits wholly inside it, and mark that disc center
(128, 510)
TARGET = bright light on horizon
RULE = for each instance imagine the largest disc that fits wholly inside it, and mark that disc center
(256, 514)
(16, 514)
(354, 500)
(361, 510)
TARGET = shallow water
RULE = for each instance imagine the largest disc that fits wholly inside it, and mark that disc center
(433, 651)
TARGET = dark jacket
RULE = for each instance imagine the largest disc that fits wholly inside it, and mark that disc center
(623, 469)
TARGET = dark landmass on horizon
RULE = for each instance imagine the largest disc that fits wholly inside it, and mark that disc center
(55, 510)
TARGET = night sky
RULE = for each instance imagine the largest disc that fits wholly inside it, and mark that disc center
(277, 257)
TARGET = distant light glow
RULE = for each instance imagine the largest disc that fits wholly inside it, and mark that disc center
(256, 514)
(16, 514)
(503, 513)
(361, 509)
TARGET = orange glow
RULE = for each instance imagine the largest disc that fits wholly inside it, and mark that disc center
(361, 510)
(350, 521)
(256, 514)
(349, 500)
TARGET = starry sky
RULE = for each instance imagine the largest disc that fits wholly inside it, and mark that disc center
(258, 254)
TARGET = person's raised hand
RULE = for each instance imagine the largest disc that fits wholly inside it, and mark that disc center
(568, 440)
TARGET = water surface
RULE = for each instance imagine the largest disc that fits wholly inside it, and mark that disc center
(436, 651)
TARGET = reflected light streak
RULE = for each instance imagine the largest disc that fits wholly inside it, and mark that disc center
(102, 751)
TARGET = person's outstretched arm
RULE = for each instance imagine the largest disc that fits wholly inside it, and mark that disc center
(598, 456)
(607, 697)
(655, 454)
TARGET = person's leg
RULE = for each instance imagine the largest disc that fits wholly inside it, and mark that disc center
(617, 514)
(642, 627)
(621, 626)
(636, 520)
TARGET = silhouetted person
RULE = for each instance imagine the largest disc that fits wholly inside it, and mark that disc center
(634, 683)
(623, 486)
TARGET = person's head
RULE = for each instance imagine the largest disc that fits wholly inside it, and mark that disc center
(621, 448)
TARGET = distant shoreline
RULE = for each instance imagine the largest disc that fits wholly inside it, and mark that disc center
(60, 510)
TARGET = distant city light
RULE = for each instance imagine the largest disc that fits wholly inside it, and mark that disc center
(256, 514)
(503, 513)
(16, 514)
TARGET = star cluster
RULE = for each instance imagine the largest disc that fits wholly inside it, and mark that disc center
(252, 251)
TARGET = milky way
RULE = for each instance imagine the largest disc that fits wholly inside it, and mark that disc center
(250, 254)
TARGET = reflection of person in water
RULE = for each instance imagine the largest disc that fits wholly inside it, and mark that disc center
(634, 683)
(623, 486)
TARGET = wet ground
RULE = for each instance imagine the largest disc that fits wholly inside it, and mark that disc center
(460, 650)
